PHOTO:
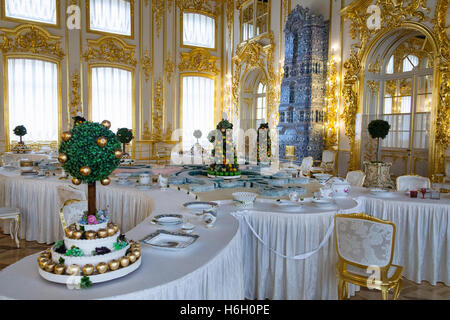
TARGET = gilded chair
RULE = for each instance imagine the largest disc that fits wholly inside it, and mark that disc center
(356, 178)
(305, 166)
(413, 182)
(163, 152)
(365, 249)
(326, 165)
(13, 215)
(72, 202)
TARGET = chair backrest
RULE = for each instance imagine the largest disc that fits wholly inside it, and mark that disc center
(307, 164)
(356, 178)
(447, 170)
(328, 156)
(72, 211)
(363, 241)
(406, 183)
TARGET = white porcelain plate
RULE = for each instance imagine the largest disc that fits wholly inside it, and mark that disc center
(168, 219)
(323, 203)
(167, 240)
(380, 192)
(198, 207)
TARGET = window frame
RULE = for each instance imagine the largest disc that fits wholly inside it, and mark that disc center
(88, 22)
(20, 20)
(6, 96)
(196, 74)
(133, 90)
(269, 15)
(205, 13)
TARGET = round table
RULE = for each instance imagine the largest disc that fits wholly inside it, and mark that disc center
(210, 268)
(14, 158)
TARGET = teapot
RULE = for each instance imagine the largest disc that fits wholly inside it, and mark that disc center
(326, 192)
(339, 186)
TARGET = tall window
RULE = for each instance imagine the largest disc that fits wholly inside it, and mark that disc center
(261, 105)
(198, 109)
(33, 98)
(112, 16)
(199, 30)
(254, 19)
(43, 11)
(112, 96)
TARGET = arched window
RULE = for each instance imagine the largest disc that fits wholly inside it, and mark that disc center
(410, 62)
(111, 16)
(199, 30)
(42, 11)
(261, 105)
(33, 91)
(111, 96)
(390, 66)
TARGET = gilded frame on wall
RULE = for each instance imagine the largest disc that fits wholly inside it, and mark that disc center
(396, 15)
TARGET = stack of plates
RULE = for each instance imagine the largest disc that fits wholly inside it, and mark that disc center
(168, 219)
(167, 240)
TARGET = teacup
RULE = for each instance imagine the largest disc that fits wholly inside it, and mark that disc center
(209, 218)
(144, 179)
(293, 196)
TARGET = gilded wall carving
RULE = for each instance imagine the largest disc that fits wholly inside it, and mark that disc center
(157, 114)
(75, 97)
(158, 8)
(110, 49)
(147, 65)
(198, 60)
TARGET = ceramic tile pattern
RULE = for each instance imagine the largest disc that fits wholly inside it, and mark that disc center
(9, 254)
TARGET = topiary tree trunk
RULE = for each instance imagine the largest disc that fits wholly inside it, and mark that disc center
(92, 198)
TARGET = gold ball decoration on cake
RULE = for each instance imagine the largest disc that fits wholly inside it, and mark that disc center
(106, 124)
(124, 262)
(102, 233)
(77, 234)
(85, 171)
(62, 158)
(73, 269)
(118, 154)
(60, 269)
(114, 265)
(111, 231)
(102, 267)
(132, 257)
(76, 181)
(137, 252)
(69, 233)
(88, 269)
(102, 141)
(90, 235)
(49, 267)
(106, 181)
(66, 136)
(43, 263)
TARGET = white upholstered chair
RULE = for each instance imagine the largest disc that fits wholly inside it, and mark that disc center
(306, 165)
(365, 248)
(13, 215)
(327, 163)
(356, 178)
(72, 203)
(406, 183)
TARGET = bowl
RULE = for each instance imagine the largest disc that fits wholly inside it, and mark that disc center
(244, 197)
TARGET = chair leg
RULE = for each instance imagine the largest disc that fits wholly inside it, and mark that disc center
(397, 289)
(345, 290)
(11, 234)
(384, 293)
(342, 290)
(16, 233)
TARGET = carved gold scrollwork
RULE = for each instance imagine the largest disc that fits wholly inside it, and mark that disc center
(75, 98)
(31, 39)
(110, 49)
(147, 65)
(158, 8)
(198, 6)
(169, 67)
(330, 136)
(157, 113)
(198, 60)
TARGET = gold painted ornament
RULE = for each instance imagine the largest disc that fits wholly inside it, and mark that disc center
(43, 263)
(76, 181)
(137, 252)
(68, 232)
(85, 171)
(124, 262)
(66, 136)
(132, 258)
(49, 267)
(88, 269)
(73, 269)
(90, 235)
(77, 234)
(102, 142)
(118, 154)
(62, 158)
(40, 258)
(106, 124)
(111, 231)
(102, 267)
(114, 265)
(102, 233)
(106, 181)
(60, 269)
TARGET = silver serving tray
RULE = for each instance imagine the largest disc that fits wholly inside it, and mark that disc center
(167, 240)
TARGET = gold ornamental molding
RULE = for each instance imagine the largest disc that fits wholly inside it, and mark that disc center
(199, 6)
(158, 9)
(169, 67)
(331, 123)
(157, 113)
(110, 49)
(230, 18)
(147, 65)
(198, 60)
(370, 20)
(31, 39)
(75, 97)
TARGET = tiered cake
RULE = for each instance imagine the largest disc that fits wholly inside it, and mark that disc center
(97, 251)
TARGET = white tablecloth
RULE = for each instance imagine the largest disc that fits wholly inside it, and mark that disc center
(270, 275)
(422, 233)
(211, 268)
(10, 157)
(37, 200)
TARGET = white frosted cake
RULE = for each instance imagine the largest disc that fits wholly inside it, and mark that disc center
(97, 251)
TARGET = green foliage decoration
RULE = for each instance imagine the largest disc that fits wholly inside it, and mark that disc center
(125, 135)
(82, 150)
(20, 131)
(379, 129)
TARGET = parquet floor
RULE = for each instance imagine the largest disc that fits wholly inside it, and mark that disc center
(10, 254)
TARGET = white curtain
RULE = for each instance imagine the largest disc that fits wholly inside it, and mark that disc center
(110, 16)
(112, 97)
(35, 10)
(198, 109)
(198, 30)
(33, 98)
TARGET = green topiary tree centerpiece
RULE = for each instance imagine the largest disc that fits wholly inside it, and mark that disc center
(90, 152)
(378, 129)
(20, 131)
(125, 136)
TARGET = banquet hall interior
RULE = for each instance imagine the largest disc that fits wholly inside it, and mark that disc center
(225, 149)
